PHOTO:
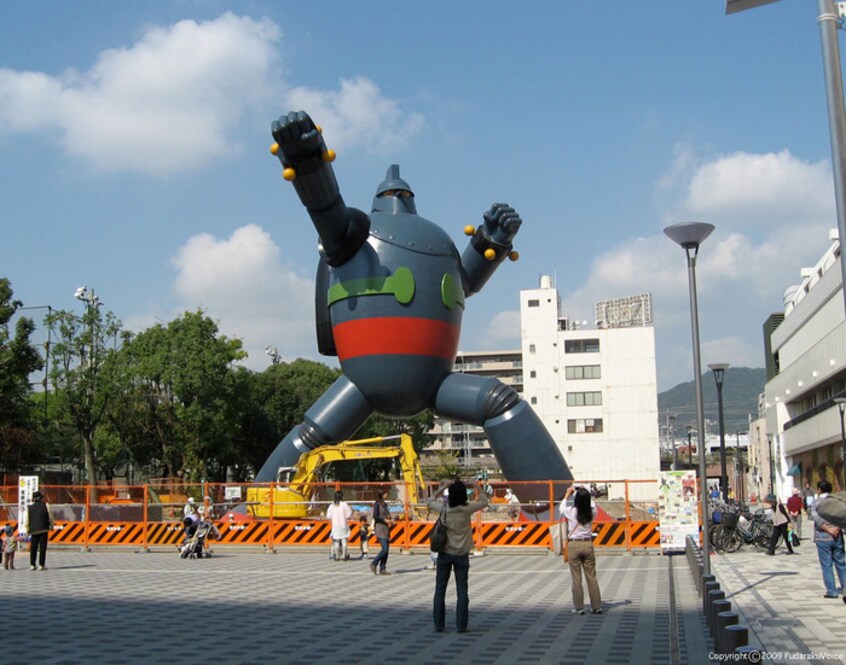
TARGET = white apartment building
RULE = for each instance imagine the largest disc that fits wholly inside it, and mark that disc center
(595, 387)
(806, 371)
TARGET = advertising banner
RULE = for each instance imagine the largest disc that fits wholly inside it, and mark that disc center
(26, 486)
(678, 509)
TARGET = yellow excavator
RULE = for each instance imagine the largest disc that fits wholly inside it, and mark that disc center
(295, 485)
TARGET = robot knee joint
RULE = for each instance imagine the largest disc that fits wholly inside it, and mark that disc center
(499, 400)
(312, 436)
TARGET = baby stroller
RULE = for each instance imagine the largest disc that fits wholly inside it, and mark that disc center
(195, 545)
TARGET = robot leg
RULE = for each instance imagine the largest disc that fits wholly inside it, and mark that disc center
(334, 417)
(519, 440)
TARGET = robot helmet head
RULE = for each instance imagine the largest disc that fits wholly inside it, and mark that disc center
(394, 195)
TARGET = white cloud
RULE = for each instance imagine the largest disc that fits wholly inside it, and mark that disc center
(173, 100)
(358, 116)
(502, 332)
(748, 190)
(244, 284)
(165, 104)
(772, 213)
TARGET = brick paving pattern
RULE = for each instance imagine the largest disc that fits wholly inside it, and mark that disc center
(245, 607)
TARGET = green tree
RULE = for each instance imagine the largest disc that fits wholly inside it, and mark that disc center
(18, 359)
(178, 410)
(84, 347)
(284, 391)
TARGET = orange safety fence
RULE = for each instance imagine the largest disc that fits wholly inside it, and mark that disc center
(151, 516)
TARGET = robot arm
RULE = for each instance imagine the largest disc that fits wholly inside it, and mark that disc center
(308, 165)
(490, 245)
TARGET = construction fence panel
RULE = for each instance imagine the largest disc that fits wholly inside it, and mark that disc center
(150, 515)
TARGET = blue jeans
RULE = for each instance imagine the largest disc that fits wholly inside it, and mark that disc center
(381, 559)
(446, 564)
(830, 553)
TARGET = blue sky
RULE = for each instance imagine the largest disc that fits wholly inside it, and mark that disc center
(134, 154)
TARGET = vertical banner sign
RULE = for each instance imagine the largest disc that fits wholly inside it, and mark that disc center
(678, 509)
(27, 485)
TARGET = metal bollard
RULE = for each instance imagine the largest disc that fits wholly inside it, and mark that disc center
(706, 579)
(707, 586)
(717, 606)
(724, 620)
(713, 595)
(734, 637)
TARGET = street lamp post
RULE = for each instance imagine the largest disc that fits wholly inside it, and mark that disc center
(841, 405)
(689, 445)
(772, 462)
(675, 464)
(690, 235)
(738, 461)
(719, 370)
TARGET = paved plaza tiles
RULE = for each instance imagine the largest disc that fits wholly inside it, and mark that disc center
(243, 606)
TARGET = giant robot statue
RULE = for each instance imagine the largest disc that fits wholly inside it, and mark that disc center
(390, 295)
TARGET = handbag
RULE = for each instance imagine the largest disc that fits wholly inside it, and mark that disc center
(438, 534)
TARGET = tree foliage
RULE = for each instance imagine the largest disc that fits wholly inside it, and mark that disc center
(168, 401)
(82, 354)
(18, 359)
(178, 406)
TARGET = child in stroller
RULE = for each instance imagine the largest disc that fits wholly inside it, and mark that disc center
(197, 534)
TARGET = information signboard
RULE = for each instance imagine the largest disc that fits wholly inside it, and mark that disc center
(27, 485)
(678, 509)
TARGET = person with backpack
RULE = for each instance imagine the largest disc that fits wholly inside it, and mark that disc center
(828, 538)
(456, 555)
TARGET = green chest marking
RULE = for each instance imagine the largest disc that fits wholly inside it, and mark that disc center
(401, 285)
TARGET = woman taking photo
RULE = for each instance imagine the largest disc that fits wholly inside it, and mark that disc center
(456, 555)
(580, 548)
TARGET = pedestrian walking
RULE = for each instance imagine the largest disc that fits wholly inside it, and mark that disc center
(582, 558)
(382, 523)
(829, 541)
(456, 554)
(339, 513)
(39, 522)
(795, 504)
(781, 520)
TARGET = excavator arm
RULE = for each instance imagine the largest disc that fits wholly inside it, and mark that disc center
(292, 499)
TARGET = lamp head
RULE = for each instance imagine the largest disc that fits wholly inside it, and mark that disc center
(689, 234)
(719, 370)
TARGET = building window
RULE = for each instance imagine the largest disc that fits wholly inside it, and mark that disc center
(533, 374)
(581, 346)
(583, 372)
(593, 398)
(534, 400)
(534, 303)
(584, 425)
(531, 348)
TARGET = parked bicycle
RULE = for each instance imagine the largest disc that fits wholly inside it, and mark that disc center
(736, 529)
